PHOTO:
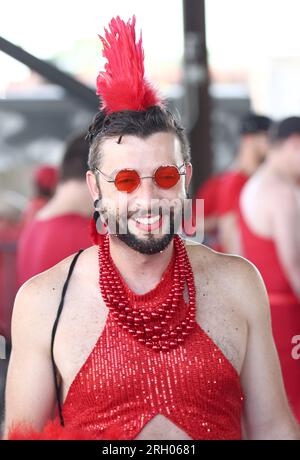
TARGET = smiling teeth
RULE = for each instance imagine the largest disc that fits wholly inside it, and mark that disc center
(148, 220)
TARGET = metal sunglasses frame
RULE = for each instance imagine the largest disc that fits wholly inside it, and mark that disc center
(112, 180)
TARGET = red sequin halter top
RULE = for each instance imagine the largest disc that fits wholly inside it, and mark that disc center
(124, 383)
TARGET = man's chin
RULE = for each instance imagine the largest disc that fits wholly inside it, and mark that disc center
(147, 243)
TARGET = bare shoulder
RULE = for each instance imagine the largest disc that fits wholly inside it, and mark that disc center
(232, 277)
(37, 300)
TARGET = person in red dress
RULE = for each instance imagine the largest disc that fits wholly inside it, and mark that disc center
(142, 336)
(252, 151)
(270, 224)
(62, 226)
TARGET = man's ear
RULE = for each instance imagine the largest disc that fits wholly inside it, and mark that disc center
(92, 185)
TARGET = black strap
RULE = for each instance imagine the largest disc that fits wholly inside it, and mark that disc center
(57, 386)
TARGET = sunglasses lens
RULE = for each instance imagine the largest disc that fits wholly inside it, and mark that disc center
(167, 176)
(127, 181)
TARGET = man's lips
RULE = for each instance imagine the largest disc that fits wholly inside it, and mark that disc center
(148, 222)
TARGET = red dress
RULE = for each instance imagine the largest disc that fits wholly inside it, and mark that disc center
(44, 243)
(285, 307)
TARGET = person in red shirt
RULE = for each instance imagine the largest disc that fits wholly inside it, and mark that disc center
(252, 151)
(62, 226)
(45, 179)
(270, 229)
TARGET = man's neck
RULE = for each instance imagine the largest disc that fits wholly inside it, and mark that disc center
(141, 272)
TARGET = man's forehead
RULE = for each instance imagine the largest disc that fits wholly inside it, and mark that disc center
(133, 151)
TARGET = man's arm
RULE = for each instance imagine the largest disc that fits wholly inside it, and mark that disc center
(30, 392)
(284, 211)
(266, 412)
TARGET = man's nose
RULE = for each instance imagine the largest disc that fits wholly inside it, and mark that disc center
(147, 191)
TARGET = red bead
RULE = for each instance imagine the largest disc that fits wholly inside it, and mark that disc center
(155, 338)
(146, 318)
(154, 314)
(155, 347)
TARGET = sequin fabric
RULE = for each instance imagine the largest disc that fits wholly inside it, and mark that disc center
(125, 384)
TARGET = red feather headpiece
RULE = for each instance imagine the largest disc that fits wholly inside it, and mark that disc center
(122, 86)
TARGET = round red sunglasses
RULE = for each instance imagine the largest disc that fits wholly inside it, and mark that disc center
(128, 180)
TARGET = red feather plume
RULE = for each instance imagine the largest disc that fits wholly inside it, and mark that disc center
(53, 431)
(122, 86)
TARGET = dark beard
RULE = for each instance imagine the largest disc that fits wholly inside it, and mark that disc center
(148, 246)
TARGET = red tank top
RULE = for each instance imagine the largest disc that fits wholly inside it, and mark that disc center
(124, 384)
(263, 254)
(44, 243)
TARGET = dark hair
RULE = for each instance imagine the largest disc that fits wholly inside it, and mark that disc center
(138, 123)
(75, 160)
(254, 124)
(284, 129)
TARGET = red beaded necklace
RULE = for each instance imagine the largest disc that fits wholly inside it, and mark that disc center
(151, 329)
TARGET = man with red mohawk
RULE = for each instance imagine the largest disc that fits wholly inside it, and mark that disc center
(142, 336)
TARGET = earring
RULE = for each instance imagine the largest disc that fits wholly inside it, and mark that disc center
(96, 213)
